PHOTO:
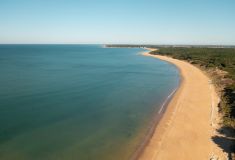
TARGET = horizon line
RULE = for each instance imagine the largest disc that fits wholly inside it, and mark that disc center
(133, 44)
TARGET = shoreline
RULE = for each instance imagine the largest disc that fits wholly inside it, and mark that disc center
(185, 128)
(158, 115)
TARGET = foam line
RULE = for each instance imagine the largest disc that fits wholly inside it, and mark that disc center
(166, 100)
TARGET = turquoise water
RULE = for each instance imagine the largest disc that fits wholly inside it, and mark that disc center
(78, 102)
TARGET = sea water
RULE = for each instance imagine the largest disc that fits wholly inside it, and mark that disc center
(78, 102)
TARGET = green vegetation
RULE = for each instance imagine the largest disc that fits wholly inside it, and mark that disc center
(212, 60)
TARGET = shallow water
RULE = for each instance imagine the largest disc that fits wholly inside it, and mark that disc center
(80, 102)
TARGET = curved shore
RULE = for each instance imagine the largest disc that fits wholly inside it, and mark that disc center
(186, 129)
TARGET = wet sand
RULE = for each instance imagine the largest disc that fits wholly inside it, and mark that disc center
(186, 129)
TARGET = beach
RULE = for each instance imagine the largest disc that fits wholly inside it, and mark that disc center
(190, 120)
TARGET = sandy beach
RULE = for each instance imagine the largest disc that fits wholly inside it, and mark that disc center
(190, 120)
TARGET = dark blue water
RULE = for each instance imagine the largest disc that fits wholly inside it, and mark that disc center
(78, 102)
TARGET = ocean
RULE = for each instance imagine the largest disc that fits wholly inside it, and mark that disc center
(79, 102)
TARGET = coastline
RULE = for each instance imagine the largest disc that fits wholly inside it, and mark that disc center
(187, 125)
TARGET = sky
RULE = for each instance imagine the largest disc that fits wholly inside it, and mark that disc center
(117, 21)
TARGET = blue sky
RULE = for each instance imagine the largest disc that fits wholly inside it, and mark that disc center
(118, 21)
